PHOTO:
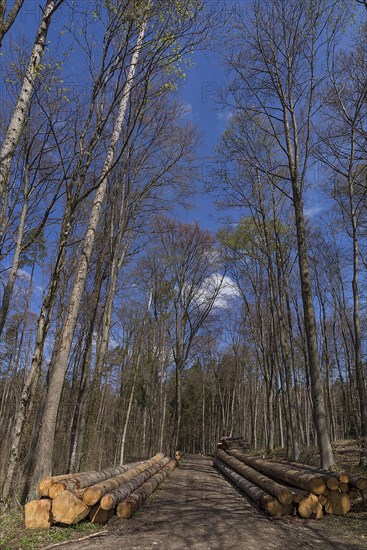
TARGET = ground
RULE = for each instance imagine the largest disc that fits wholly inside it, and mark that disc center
(196, 508)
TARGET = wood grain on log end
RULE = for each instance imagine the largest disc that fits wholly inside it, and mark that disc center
(69, 509)
(37, 514)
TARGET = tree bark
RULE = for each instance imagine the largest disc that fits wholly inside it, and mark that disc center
(270, 486)
(266, 501)
(132, 503)
(48, 425)
(20, 112)
(112, 499)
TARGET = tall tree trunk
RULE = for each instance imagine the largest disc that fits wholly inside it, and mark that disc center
(319, 409)
(361, 383)
(47, 431)
(78, 423)
(31, 380)
(8, 290)
(21, 109)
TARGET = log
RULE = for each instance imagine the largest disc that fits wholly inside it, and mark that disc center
(288, 509)
(355, 494)
(94, 493)
(37, 514)
(234, 443)
(358, 482)
(310, 507)
(69, 509)
(343, 477)
(98, 515)
(297, 493)
(127, 507)
(263, 499)
(322, 500)
(60, 486)
(312, 483)
(112, 499)
(343, 487)
(272, 487)
(332, 483)
(338, 504)
(83, 479)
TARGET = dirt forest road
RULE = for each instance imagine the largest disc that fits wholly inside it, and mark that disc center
(197, 509)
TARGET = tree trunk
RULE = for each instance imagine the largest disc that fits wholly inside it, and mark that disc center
(20, 112)
(5, 24)
(31, 381)
(319, 409)
(8, 290)
(361, 382)
(48, 425)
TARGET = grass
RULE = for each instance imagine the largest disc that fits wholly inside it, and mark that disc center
(14, 536)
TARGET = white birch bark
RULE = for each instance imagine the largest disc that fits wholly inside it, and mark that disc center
(20, 112)
(47, 432)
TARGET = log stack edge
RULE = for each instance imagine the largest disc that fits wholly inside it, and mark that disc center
(284, 488)
(71, 498)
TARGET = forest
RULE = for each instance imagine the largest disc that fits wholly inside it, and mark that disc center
(126, 330)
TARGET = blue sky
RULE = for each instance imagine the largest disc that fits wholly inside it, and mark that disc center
(200, 93)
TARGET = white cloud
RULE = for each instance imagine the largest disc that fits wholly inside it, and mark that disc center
(186, 109)
(23, 275)
(226, 293)
(313, 211)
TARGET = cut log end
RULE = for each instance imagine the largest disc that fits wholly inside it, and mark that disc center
(44, 486)
(274, 507)
(338, 504)
(125, 509)
(91, 495)
(69, 509)
(98, 515)
(332, 483)
(37, 514)
(107, 502)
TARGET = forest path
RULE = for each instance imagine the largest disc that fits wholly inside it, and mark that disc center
(197, 509)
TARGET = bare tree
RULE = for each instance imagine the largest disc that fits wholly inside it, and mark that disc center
(342, 149)
(7, 19)
(20, 112)
(188, 265)
(145, 69)
(274, 61)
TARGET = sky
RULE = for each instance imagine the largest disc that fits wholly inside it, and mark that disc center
(200, 94)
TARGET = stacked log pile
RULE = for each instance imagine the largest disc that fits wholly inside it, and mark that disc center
(289, 488)
(71, 498)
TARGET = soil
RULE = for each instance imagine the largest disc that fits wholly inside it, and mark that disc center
(198, 509)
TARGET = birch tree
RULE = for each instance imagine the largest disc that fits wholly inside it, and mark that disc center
(19, 115)
(47, 431)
